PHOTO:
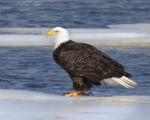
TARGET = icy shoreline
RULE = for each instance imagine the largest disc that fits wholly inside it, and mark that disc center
(23, 105)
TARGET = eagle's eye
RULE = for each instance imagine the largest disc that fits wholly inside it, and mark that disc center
(56, 31)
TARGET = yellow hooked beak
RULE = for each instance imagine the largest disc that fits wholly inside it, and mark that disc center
(52, 33)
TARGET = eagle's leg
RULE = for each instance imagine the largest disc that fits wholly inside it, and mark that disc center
(73, 94)
(80, 86)
(77, 83)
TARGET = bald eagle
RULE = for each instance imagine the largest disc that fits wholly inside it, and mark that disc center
(86, 65)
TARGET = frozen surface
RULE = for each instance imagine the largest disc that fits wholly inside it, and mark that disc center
(27, 105)
(114, 35)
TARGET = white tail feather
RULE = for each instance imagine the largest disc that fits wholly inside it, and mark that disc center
(109, 81)
(124, 81)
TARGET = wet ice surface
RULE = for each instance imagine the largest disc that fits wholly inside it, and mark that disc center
(23, 105)
(123, 35)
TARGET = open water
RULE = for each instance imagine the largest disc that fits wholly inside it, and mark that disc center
(33, 68)
(72, 13)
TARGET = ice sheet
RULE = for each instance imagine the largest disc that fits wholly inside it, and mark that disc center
(115, 35)
(27, 105)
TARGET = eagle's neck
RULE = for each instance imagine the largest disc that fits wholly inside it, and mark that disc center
(62, 38)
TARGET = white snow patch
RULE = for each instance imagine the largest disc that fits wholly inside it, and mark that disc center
(27, 105)
(116, 35)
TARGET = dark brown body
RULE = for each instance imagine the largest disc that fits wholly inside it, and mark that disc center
(86, 65)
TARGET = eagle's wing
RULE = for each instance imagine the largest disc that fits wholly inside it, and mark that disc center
(87, 61)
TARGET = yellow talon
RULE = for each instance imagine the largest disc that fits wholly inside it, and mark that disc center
(72, 94)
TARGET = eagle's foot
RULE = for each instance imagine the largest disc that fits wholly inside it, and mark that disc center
(76, 94)
(73, 94)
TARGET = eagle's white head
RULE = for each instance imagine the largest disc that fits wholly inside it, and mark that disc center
(61, 35)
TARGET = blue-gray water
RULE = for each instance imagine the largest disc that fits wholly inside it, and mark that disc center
(72, 13)
(33, 68)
